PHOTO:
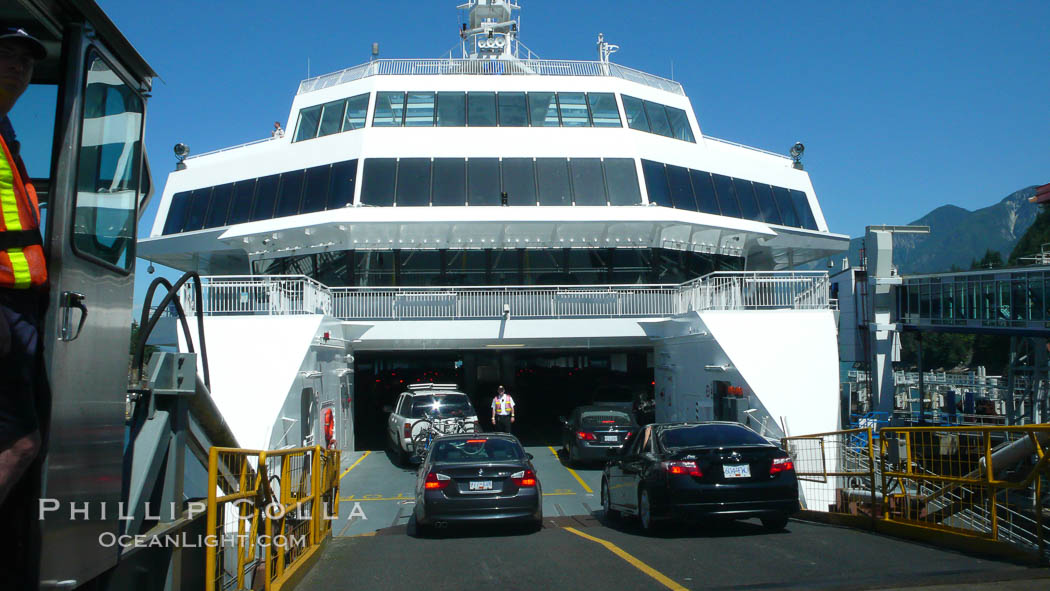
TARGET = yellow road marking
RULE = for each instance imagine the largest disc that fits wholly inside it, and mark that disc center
(638, 564)
(573, 472)
(354, 465)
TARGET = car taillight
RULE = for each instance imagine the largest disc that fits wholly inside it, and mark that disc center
(687, 468)
(408, 430)
(585, 436)
(781, 465)
(436, 481)
(525, 478)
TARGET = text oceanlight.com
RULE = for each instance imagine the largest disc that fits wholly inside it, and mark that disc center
(184, 540)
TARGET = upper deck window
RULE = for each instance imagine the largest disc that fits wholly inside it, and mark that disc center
(574, 112)
(420, 109)
(331, 118)
(604, 111)
(390, 109)
(543, 106)
(656, 118)
(481, 109)
(451, 109)
(512, 111)
(505, 109)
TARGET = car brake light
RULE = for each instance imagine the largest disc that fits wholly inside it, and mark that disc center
(687, 468)
(585, 436)
(436, 481)
(781, 465)
(476, 441)
(408, 430)
(607, 422)
(525, 478)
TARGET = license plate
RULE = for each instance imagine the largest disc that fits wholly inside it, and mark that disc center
(736, 470)
(480, 485)
(610, 438)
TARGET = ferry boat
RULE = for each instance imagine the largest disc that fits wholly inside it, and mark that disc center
(561, 227)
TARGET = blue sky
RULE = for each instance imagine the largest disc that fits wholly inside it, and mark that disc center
(902, 106)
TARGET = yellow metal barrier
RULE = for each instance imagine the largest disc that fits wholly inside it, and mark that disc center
(987, 484)
(268, 513)
(984, 482)
(836, 471)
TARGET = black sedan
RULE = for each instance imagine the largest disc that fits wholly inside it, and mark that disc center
(595, 433)
(694, 470)
(477, 477)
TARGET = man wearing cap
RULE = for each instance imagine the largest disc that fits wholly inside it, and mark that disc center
(502, 411)
(24, 396)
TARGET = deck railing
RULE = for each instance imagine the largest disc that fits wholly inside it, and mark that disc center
(289, 295)
(472, 67)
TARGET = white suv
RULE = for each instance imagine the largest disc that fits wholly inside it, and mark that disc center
(440, 401)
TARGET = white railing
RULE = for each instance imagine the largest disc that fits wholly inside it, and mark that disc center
(474, 67)
(282, 295)
(752, 148)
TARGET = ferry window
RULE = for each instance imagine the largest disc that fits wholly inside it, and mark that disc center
(635, 112)
(265, 197)
(798, 198)
(241, 209)
(413, 182)
(656, 183)
(604, 109)
(588, 266)
(787, 209)
(420, 267)
(621, 178)
(451, 109)
(553, 175)
(342, 183)
(681, 187)
(631, 265)
(512, 111)
(726, 195)
(574, 109)
(543, 109)
(420, 110)
(519, 181)
(506, 267)
(450, 182)
(379, 181)
(176, 219)
(198, 209)
(770, 213)
(745, 193)
(390, 109)
(104, 215)
(658, 118)
(220, 205)
(704, 191)
(315, 191)
(376, 267)
(483, 186)
(588, 182)
(356, 111)
(289, 193)
(543, 267)
(481, 109)
(679, 124)
(466, 267)
(306, 128)
(332, 118)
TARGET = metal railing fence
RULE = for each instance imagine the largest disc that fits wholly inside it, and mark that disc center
(273, 512)
(984, 483)
(473, 67)
(283, 295)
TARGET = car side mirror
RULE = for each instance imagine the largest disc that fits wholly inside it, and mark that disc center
(530, 456)
(388, 408)
(563, 421)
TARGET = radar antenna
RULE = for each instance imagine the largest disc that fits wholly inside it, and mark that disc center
(605, 49)
(491, 31)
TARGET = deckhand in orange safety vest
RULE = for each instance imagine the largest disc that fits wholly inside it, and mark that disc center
(22, 262)
(503, 407)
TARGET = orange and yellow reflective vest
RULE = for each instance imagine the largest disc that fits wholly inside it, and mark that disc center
(22, 264)
(503, 407)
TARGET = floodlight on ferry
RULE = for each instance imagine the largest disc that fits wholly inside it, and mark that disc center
(181, 151)
(796, 154)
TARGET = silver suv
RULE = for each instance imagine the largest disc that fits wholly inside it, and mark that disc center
(408, 416)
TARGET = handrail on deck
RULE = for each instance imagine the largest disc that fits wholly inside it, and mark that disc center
(298, 294)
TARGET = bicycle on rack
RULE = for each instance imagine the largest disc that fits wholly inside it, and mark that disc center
(432, 427)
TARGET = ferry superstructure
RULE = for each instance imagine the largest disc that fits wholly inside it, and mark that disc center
(495, 204)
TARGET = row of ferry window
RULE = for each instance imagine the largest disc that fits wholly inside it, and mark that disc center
(420, 182)
(705, 192)
(491, 109)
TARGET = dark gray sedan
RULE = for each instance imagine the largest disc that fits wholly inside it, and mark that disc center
(477, 477)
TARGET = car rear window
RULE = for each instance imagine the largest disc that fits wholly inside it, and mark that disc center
(476, 450)
(442, 405)
(709, 435)
(600, 418)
